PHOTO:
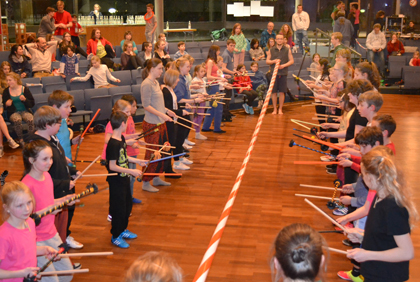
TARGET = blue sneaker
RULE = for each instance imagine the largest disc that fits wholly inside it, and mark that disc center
(251, 110)
(136, 201)
(128, 235)
(245, 106)
(120, 242)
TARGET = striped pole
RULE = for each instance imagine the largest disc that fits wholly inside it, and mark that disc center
(205, 265)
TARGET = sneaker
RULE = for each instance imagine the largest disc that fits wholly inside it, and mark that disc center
(1, 152)
(120, 242)
(346, 275)
(341, 211)
(186, 147)
(245, 106)
(200, 136)
(128, 234)
(347, 242)
(251, 110)
(331, 171)
(12, 143)
(188, 142)
(149, 188)
(136, 201)
(159, 182)
(73, 243)
(109, 218)
(220, 131)
(206, 130)
(327, 158)
(178, 165)
(185, 161)
(77, 265)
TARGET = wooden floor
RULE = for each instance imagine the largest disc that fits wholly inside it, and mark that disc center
(181, 219)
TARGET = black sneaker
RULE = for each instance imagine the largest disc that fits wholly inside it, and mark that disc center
(220, 131)
(331, 171)
(347, 242)
(77, 265)
(206, 130)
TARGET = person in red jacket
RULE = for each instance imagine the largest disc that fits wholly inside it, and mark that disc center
(99, 46)
(245, 83)
(394, 46)
(63, 19)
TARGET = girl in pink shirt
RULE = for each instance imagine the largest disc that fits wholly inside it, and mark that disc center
(18, 249)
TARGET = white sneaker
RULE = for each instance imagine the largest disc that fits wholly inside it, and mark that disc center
(188, 142)
(186, 147)
(180, 166)
(326, 158)
(200, 136)
(186, 161)
(109, 218)
(12, 143)
(73, 243)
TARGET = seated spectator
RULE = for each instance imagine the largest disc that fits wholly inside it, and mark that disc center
(41, 53)
(376, 43)
(69, 64)
(288, 34)
(160, 52)
(128, 36)
(344, 26)
(162, 37)
(146, 53)
(18, 101)
(181, 51)
(256, 53)
(394, 46)
(5, 68)
(129, 60)
(380, 19)
(270, 44)
(315, 67)
(410, 28)
(66, 42)
(415, 61)
(19, 63)
(99, 46)
(267, 34)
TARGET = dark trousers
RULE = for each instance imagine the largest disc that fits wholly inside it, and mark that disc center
(75, 40)
(355, 35)
(107, 60)
(181, 133)
(120, 203)
(251, 95)
(170, 127)
(133, 63)
(226, 112)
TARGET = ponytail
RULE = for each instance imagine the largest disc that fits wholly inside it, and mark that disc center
(152, 63)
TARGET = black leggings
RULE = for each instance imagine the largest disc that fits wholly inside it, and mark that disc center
(251, 95)
(170, 127)
(107, 59)
(133, 63)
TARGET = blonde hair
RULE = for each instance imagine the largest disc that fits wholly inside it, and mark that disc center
(189, 58)
(219, 58)
(179, 63)
(345, 53)
(154, 267)
(95, 58)
(15, 76)
(378, 163)
(126, 43)
(170, 77)
(337, 35)
(344, 68)
(197, 69)
(120, 105)
(10, 192)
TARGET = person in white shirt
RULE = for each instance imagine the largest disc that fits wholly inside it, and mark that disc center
(376, 43)
(300, 23)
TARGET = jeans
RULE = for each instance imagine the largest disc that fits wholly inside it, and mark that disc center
(215, 113)
(302, 35)
(378, 58)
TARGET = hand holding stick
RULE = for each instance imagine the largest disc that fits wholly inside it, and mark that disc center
(83, 134)
(80, 175)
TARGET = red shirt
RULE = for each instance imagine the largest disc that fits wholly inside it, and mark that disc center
(64, 18)
(75, 29)
(93, 44)
(242, 81)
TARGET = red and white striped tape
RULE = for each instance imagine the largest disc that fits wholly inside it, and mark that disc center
(205, 265)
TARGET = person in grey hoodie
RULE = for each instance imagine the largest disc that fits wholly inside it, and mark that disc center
(344, 26)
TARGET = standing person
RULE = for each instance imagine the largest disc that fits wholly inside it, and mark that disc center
(200, 80)
(241, 44)
(354, 17)
(379, 19)
(63, 19)
(376, 43)
(340, 6)
(345, 27)
(41, 53)
(19, 63)
(99, 46)
(228, 70)
(151, 24)
(96, 12)
(279, 54)
(300, 23)
(267, 34)
(315, 66)
(47, 26)
(336, 38)
(75, 29)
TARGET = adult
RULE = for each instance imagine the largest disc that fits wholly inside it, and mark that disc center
(160, 52)
(376, 43)
(129, 60)
(227, 68)
(151, 23)
(67, 42)
(146, 53)
(267, 34)
(410, 28)
(96, 12)
(336, 38)
(340, 6)
(300, 23)
(99, 46)
(128, 37)
(345, 27)
(62, 19)
(288, 34)
(380, 19)
(41, 53)
(354, 18)
(19, 63)
(281, 54)
(47, 25)
(394, 46)
(18, 101)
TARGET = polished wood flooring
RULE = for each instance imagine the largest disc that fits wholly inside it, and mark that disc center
(181, 219)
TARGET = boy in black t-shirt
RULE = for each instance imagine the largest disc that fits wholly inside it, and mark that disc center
(120, 199)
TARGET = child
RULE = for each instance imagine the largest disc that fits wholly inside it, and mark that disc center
(37, 156)
(181, 50)
(344, 56)
(270, 44)
(100, 73)
(244, 82)
(162, 37)
(5, 131)
(151, 24)
(315, 66)
(259, 82)
(5, 69)
(18, 249)
(298, 254)
(241, 44)
(388, 125)
(256, 52)
(370, 103)
(75, 30)
(368, 71)
(199, 79)
(120, 200)
(154, 266)
(386, 244)
(69, 64)
(415, 61)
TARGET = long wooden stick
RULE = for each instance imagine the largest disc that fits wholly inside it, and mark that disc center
(157, 145)
(337, 251)
(325, 105)
(64, 272)
(305, 122)
(148, 149)
(187, 120)
(200, 114)
(86, 254)
(300, 124)
(314, 163)
(83, 134)
(319, 118)
(326, 215)
(94, 161)
(177, 122)
(114, 174)
(324, 115)
(198, 107)
(316, 197)
(320, 187)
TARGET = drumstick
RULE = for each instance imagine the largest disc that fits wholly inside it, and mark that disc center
(310, 123)
(327, 216)
(83, 134)
(187, 120)
(157, 145)
(320, 187)
(86, 254)
(314, 163)
(80, 175)
(337, 251)
(177, 122)
(324, 115)
(148, 149)
(316, 197)
(300, 124)
(197, 107)
(63, 272)
(319, 118)
(325, 105)
(200, 114)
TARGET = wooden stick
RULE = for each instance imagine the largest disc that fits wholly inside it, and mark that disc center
(99, 175)
(200, 114)
(177, 122)
(320, 187)
(337, 251)
(326, 105)
(319, 118)
(148, 149)
(316, 197)
(94, 161)
(326, 215)
(334, 146)
(86, 254)
(187, 120)
(300, 124)
(157, 145)
(304, 83)
(114, 174)
(324, 115)
(319, 81)
(198, 107)
(83, 134)
(310, 123)
(314, 163)
(64, 272)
